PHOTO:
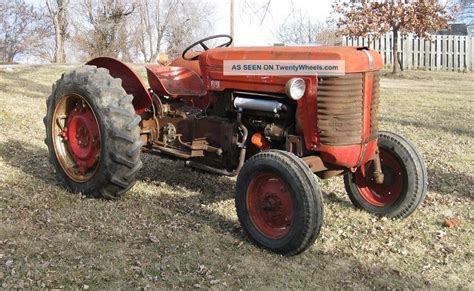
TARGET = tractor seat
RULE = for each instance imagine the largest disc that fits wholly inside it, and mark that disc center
(175, 82)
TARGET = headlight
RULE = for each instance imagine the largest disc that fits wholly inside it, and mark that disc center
(295, 88)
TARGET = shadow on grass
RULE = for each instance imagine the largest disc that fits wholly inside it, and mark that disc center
(407, 122)
(34, 160)
(322, 269)
(20, 86)
(443, 181)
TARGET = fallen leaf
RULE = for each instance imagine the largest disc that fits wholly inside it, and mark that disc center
(451, 222)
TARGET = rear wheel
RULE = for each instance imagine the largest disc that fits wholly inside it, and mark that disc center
(405, 179)
(92, 133)
(279, 202)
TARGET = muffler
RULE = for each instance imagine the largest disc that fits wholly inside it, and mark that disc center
(258, 105)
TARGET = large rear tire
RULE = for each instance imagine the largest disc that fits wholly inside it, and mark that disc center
(279, 203)
(93, 133)
(405, 179)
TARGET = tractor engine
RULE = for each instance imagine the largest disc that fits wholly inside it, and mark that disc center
(213, 135)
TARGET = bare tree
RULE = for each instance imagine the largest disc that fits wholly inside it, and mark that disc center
(260, 9)
(58, 12)
(103, 29)
(170, 25)
(155, 17)
(302, 30)
(22, 27)
(188, 25)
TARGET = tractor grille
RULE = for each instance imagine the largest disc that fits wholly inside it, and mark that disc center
(340, 109)
(374, 108)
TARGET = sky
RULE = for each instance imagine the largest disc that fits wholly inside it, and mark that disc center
(249, 28)
(250, 31)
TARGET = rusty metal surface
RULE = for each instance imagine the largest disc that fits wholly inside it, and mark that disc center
(374, 108)
(315, 163)
(321, 168)
(340, 102)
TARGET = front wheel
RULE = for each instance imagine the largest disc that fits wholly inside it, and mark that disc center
(405, 179)
(279, 202)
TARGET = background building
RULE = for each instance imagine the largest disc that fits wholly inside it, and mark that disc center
(466, 15)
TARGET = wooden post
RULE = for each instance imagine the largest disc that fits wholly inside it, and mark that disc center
(388, 50)
(376, 44)
(470, 53)
(446, 53)
(456, 53)
(416, 52)
(462, 53)
(450, 52)
(439, 52)
(471, 59)
(406, 52)
(432, 54)
(401, 53)
(426, 52)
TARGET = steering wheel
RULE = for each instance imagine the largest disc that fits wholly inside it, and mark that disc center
(205, 47)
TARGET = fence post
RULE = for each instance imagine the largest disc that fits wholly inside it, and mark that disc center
(432, 54)
(456, 53)
(450, 52)
(388, 50)
(438, 52)
(471, 57)
(416, 51)
(426, 53)
(407, 51)
(462, 53)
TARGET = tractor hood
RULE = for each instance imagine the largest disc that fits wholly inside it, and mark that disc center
(357, 59)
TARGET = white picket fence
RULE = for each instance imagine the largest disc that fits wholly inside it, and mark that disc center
(442, 52)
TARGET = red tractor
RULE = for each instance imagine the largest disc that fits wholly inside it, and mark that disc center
(274, 132)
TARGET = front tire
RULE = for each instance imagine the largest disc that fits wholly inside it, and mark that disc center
(93, 133)
(279, 203)
(405, 179)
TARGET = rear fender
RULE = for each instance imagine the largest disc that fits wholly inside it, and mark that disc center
(175, 82)
(131, 82)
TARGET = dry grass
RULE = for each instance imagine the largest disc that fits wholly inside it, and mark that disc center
(178, 228)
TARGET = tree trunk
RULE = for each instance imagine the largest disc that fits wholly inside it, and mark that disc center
(59, 18)
(396, 66)
(59, 53)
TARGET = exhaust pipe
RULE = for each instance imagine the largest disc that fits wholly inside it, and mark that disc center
(258, 105)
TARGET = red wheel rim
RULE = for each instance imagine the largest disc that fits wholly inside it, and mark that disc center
(386, 194)
(76, 137)
(270, 205)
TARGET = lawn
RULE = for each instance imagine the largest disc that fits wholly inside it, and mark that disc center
(178, 228)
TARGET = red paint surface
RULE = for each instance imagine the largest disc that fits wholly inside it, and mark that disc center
(131, 82)
(270, 205)
(381, 195)
(83, 137)
(175, 82)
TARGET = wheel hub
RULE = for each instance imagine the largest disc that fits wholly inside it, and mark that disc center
(389, 192)
(270, 205)
(83, 136)
(76, 137)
